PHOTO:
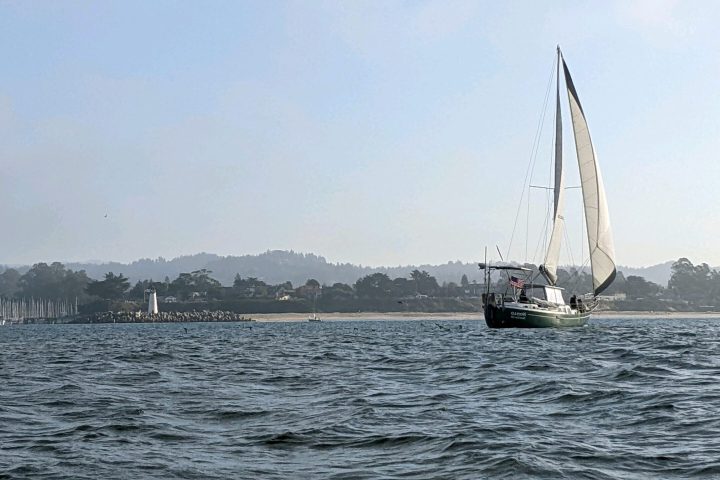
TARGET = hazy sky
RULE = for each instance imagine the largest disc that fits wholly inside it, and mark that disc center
(372, 132)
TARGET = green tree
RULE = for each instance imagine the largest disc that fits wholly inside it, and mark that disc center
(53, 281)
(311, 290)
(139, 289)
(113, 287)
(377, 285)
(637, 287)
(250, 287)
(451, 289)
(197, 282)
(692, 283)
(337, 292)
(9, 282)
(281, 289)
(404, 287)
(424, 282)
(250, 282)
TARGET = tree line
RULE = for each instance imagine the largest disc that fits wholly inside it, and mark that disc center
(690, 287)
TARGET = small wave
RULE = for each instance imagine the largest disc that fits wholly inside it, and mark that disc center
(389, 441)
(70, 387)
(712, 468)
(327, 356)
(627, 374)
(461, 445)
(658, 406)
(134, 378)
(45, 448)
(227, 415)
(538, 367)
(59, 403)
(171, 437)
(674, 347)
(144, 357)
(284, 438)
(283, 379)
(125, 427)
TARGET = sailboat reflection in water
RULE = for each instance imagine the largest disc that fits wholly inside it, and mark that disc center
(528, 304)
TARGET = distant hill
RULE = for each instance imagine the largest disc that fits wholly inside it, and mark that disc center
(278, 266)
(273, 267)
(659, 273)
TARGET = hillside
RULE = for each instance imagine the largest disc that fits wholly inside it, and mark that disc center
(278, 266)
(659, 273)
(272, 267)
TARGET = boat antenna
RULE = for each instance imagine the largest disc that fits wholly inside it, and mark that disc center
(502, 260)
(487, 276)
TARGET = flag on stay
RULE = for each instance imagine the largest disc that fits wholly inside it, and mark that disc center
(517, 282)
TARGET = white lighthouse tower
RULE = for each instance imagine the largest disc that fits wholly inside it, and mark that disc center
(152, 302)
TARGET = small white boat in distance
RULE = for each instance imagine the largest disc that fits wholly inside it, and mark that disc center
(314, 318)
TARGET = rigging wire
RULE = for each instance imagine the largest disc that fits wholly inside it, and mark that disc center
(533, 155)
(582, 233)
(549, 199)
(534, 162)
(576, 276)
(541, 238)
(569, 247)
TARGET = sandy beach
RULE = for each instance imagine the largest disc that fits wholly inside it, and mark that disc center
(334, 316)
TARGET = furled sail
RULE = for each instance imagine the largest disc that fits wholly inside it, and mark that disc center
(552, 256)
(602, 250)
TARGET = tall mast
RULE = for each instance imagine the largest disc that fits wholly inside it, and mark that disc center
(558, 137)
(552, 256)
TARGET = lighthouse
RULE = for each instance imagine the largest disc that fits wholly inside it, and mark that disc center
(152, 302)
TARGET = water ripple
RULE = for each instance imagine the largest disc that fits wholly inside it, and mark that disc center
(621, 398)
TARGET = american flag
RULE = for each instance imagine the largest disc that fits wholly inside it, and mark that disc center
(517, 282)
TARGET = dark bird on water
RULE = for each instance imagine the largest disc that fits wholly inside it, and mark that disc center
(185, 329)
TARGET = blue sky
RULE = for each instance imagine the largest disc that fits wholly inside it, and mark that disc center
(369, 132)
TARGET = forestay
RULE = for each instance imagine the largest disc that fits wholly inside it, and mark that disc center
(552, 256)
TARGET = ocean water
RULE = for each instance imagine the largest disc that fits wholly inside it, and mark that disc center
(621, 398)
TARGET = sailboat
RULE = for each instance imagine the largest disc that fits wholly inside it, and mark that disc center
(314, 317)
(525, 303)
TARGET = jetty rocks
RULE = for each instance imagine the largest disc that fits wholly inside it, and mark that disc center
(167, 317)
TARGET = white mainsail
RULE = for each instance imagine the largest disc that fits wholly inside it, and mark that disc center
(552, 256)
(602, 249)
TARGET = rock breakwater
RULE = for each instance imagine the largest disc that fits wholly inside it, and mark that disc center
(164, 317)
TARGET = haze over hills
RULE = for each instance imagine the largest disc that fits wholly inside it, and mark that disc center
(659, 273)
(278, 266)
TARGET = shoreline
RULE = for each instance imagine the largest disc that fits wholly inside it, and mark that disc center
(373, 316)
(336, 316)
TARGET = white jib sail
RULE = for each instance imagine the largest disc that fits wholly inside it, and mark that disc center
(600, 240)
(552, 256)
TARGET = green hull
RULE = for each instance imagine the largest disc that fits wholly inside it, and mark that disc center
(505, 317)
